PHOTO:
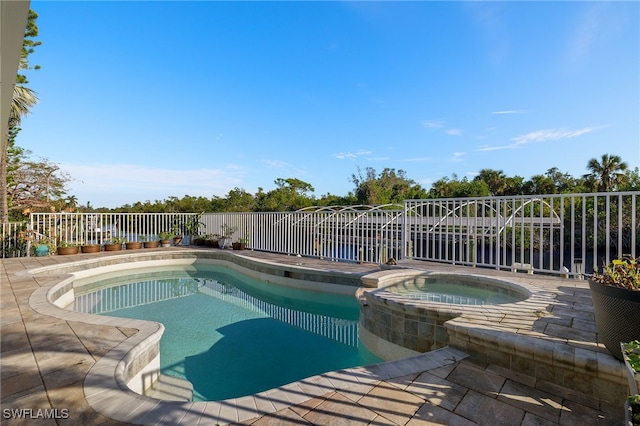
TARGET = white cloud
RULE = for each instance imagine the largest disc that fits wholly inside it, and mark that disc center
(553, 134)
(278, 164)
(343, 155)
(457, 157)
(439, 124)
(539, 136)
(433, 124)
(493, 148)
(513, 111)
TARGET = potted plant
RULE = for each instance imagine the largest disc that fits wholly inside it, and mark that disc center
(212, 241)
(631, 355)
(114, 244)
(66, 248)
(227, 232)
(146, 243)
(90, 248)
(241, 244)
(165, 238)
(133, 245)
(192, 227)
(616, 302)
(176, 235)
(42, 247)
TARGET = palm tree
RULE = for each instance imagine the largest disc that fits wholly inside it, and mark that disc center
(23, 100)
(496, 179)
(607, 173)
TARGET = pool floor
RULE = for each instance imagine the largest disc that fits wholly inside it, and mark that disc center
(241, 346)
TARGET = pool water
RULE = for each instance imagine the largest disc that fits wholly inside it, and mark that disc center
(455, 291)
(230, 335)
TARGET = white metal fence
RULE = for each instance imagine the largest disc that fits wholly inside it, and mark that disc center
(366, 234)
(14, 240)
(552, 233)
(561, 234)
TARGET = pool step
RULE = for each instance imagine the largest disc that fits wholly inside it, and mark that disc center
(171, 388)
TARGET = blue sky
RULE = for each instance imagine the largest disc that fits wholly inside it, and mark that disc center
(147, 100)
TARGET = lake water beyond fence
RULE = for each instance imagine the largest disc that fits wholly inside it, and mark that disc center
(565, 234)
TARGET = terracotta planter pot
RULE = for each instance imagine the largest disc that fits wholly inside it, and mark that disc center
(91, 248)
(177, 241)
(133, 245)
(67, 250)
(617, 312)
(238, 246)
(165, 243)
(112, 247)
(151, 244)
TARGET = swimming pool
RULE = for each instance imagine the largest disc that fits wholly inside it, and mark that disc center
(231, 335)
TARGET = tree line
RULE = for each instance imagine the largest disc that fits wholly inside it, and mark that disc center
(391, 186)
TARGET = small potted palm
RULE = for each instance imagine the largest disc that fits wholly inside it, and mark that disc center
(616, 302)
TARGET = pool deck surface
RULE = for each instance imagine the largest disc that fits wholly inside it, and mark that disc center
(44, 362)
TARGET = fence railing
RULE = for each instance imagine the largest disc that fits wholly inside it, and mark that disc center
(369, 235)
(565, 234)
(14, 240)
(560, 234)
(99, 228)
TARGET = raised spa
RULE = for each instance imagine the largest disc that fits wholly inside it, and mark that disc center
(456, 290)
(408, 311)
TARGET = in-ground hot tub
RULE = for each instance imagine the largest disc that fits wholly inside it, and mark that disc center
(407, 311)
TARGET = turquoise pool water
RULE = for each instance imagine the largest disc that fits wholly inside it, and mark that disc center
(231, 335)
(455, 291)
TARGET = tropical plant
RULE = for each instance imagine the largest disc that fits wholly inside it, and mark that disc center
(165, 235)
(631, 351)
(22, 102)
(67, 244)
(193, 224)
(624, 273)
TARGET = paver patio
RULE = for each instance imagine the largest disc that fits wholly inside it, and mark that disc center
(44, 362)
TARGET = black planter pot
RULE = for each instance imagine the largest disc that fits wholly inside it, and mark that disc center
(617, 313)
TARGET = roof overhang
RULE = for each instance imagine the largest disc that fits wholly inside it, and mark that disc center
(13, 21)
